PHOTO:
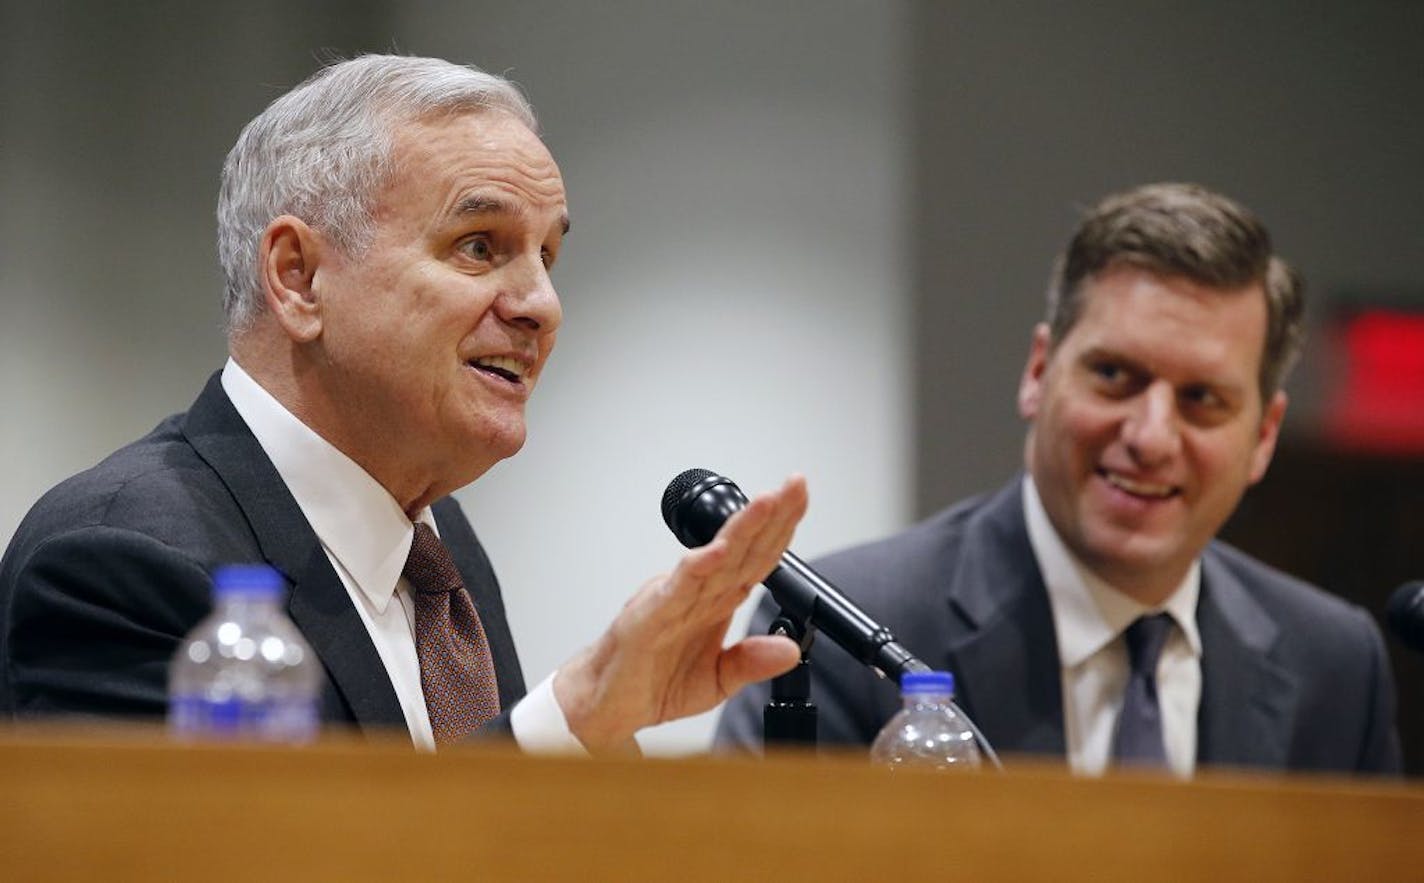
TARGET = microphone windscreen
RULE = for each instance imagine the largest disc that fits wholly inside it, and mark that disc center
(1405, 614)
(677, 489)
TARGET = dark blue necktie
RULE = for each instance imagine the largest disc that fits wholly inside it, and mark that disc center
(1138, 740)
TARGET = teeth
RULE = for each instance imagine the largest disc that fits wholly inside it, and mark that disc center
(1141, 489)
(503, 363)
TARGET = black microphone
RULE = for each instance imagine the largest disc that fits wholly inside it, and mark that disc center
(699, 501)
(1405, 614)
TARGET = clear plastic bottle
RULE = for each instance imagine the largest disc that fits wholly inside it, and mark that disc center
(244, 672)
(929, 731)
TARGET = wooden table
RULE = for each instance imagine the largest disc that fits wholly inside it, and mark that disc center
(127, 805)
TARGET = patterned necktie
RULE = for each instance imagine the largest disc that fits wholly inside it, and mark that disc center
(1138, 740)
(456, 668)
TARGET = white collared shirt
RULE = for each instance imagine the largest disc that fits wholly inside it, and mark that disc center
(367, 538)
(1089, 618)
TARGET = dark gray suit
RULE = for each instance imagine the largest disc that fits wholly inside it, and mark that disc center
(1291, 677)
(111, 568)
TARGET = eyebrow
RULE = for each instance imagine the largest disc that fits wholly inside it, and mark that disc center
(1100, 353)
(479, 205)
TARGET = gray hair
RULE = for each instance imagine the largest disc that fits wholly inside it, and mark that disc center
(1184, 230)
(322, 152)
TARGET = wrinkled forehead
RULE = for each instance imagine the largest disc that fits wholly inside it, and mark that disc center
(473, 150)
(482, 129)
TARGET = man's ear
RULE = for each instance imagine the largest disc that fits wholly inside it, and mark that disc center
(289, 255)
(1031, 383)
(1267, 435)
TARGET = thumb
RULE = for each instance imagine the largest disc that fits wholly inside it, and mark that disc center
(755, 659)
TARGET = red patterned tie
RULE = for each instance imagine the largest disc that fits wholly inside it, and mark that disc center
(456, 669)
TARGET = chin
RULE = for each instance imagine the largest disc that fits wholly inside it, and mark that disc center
(501, 442)
(1132, 552)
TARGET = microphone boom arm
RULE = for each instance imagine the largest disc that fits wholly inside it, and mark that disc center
(696, 505)
(812, 599)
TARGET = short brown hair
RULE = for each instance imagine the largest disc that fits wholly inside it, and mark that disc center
(1184, 230)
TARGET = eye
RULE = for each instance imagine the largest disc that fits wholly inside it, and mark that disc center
(1106, 371)
(1206, 405)
(1201, 396)
(1112, 378)
(477, 247)
(1210, 405)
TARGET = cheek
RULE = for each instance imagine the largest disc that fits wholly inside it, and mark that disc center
(1081, 429)
(1061, 459)
(1222, 466)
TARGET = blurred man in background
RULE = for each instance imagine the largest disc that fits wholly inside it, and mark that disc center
(1085, 608)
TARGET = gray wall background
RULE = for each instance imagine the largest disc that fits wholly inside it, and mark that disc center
(807, 235)
(1310, 113)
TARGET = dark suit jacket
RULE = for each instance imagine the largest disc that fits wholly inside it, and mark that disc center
(1291, 677)
(111, 568)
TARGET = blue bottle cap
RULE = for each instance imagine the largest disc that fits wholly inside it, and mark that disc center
(927, 682)
(247, 581)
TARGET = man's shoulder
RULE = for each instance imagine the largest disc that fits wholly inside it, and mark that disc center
(107, 571)
(1325, 657)
(1305, 626)
(922, 551)
(157, 485)
(1278, 592)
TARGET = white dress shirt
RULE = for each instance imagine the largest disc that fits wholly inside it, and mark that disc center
(1089, 618)
(367, 537)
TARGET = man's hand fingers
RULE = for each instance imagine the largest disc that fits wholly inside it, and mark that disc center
(755, 659)
(756, 537)
(663, 657)
(768, 543)
(711, 580)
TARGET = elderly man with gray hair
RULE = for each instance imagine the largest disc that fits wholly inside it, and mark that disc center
(386, 230)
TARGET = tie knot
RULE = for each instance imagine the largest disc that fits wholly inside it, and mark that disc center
(1145, 638)
(429, 566)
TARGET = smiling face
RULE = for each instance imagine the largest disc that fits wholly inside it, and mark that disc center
(1147, 423)
(433, 337)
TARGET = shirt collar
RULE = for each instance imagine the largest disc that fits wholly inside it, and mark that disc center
(1088, 612)
(358, 522)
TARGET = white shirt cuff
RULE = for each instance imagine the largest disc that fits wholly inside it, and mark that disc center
(539, 725)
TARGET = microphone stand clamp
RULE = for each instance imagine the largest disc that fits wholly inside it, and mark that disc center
(789, 718)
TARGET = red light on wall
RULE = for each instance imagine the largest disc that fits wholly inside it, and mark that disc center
(1378, 402)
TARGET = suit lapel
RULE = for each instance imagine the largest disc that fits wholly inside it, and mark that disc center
(1007, 656)
(322, 609)
(319, 604)
(1247, 700)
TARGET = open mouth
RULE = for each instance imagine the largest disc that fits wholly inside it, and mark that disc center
(1143, 489)
(506, 368)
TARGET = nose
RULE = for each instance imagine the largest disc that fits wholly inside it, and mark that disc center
(1150, 431)
(531, 301)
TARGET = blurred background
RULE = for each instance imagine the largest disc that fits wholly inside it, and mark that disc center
(808, 236)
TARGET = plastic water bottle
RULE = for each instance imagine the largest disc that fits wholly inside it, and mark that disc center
(244, 672)
(928, 731)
